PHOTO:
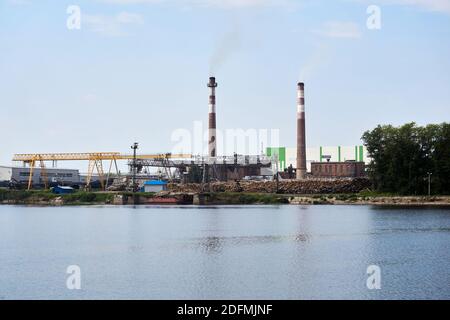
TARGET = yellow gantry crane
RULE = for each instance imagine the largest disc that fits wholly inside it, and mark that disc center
(95, 162)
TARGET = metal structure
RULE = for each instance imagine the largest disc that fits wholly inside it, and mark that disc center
(166, 164)
(44, 176)
(429, 174)
(301, 135)
(212, 125)
(135, 146)
(95, 162)
(209, 169)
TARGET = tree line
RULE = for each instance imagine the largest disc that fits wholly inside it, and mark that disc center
(405, 157)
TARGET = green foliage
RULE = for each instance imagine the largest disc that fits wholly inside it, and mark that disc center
(247, 198)
(374, 194)
(45, 196)
(343, 197)
(403, 156)
(147, 194)
(87, 197)
(24, 195)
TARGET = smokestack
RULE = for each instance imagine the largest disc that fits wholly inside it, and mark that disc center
(301, 137)
(212, 146)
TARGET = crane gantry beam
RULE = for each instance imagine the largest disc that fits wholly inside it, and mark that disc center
(95, 162)
(93, 155)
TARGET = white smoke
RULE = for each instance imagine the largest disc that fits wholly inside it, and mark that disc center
(320, 58)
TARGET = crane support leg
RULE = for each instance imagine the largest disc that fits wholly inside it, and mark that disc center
(30, 178)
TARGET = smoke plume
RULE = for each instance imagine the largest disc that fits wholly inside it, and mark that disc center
(320, 58)
(225, 48)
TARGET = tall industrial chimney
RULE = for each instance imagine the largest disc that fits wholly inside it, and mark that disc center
(301, 137)
(212, 141)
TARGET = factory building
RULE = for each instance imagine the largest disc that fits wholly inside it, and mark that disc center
(288, 156)
(5, 174)
(347, 169)
(54, 175)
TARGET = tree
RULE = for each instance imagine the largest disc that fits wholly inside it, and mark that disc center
(403, 156)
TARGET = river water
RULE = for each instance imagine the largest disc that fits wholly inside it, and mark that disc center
(225, 252)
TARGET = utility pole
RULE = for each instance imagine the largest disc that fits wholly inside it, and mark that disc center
(135, 146)
(277, 177)
(429, 183)
(205, 178)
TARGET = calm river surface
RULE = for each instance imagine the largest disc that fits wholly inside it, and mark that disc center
(226, 252)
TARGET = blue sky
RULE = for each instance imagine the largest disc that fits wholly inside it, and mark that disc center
(137, 70)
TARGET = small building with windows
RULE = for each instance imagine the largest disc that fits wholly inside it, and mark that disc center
(155, 186)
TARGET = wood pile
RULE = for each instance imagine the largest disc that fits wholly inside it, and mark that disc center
(311, 186)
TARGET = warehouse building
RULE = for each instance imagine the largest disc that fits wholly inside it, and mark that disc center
(54, 175)
(288, 156)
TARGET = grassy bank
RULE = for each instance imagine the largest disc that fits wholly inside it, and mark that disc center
(48, 198)
(217, 198)
(227, 198)
(92, 198)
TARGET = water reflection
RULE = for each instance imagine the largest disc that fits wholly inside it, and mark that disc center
(215, 244)
(231, 252)
(211, 244)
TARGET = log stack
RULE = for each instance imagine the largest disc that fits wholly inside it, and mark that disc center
(310, 186)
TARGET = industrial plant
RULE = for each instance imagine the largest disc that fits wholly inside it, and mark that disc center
(153, 171)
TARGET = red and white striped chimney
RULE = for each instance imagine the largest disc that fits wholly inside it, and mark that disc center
(301, 136)
(212, 141)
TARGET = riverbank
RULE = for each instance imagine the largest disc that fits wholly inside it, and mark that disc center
(46, 198)
(379, 200)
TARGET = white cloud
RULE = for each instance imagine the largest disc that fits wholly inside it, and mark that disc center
(132, 1)
(431, 5)
(89, 98)
(112, 26)
(241, 3)
(19, 2)
(226, 4)
(340, 29)
(130, 18)
(442, 6)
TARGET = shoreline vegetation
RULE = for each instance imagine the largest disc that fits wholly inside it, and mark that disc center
(409, 159)
(81, 198)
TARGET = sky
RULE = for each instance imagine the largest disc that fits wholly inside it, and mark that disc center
(136, 70)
